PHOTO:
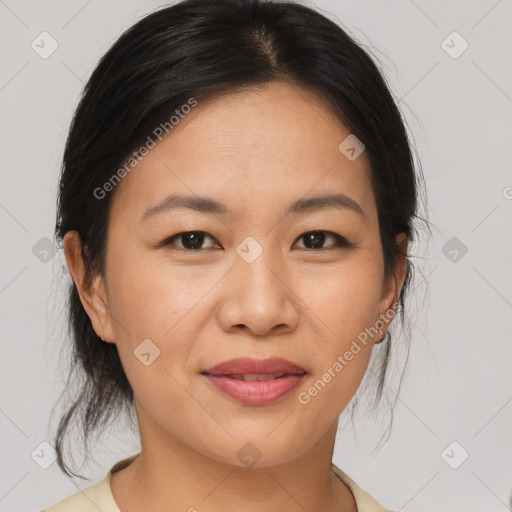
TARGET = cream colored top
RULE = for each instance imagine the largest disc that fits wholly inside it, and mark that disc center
(99, 497)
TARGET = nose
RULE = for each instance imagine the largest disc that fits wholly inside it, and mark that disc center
(257, 299)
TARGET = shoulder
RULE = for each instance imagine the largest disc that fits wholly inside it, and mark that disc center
(93, 498)
(365, 502)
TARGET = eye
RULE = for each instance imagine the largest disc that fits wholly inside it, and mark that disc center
(191, 240)
(314, 239)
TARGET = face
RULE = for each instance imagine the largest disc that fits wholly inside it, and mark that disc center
(253, 277)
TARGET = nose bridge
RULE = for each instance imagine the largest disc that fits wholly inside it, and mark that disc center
(256, 268)
(260, 275)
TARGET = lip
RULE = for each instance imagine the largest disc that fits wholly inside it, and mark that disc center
(248, 365)
(255, 392)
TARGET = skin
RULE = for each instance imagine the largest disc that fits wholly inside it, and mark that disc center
(202, 307)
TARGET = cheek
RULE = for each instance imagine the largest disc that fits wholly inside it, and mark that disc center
(150, 299)
(153, 314)
(346, 300)
(346, 297)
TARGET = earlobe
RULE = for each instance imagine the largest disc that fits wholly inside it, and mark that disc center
(90, 289)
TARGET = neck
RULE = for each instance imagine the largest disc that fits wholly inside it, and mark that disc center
(169, 476)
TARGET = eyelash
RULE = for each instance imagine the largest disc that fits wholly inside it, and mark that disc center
(341, 242)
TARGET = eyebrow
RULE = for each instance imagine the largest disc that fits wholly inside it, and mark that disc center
(214, 207)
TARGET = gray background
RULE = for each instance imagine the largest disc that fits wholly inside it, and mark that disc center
(458, 386)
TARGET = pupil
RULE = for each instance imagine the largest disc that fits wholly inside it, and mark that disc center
(315, 237)
(193, 240)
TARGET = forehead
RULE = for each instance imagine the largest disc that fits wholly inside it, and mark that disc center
(258, 146)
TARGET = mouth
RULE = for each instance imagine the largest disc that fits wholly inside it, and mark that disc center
(255, 382)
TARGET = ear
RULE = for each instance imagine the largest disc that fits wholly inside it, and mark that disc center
(392, 286)
(90, 288)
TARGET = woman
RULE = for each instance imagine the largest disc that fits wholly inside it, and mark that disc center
(236, 204)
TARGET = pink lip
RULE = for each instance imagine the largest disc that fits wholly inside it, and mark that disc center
(255, 392)
(248, 365)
